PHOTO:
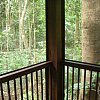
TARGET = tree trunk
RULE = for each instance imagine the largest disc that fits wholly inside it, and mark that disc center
(30, 42)
(34, 34)
(22, 38)
(77, 31)
(90, 34)
(7, 30)
(91, 31)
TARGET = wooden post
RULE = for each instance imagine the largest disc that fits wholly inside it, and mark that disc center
(55, 46)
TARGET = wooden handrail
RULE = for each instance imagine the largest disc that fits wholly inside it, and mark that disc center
(82, 65)
(17, 73)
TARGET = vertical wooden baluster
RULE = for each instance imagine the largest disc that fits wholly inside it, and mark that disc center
(90, 84)
(47, 83)
(15, 92)
(21, 88)
(41, 86)
(37, 84)
(84, 83)
(72, 83)
(64, 83)
(2, 91)
(67, 80)
(96, 96)
(27, 86)
(78, 83)
(32, 86)
(8, 86)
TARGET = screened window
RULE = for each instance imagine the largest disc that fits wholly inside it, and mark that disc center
(22, 33)
(82, 31)
(73, 30)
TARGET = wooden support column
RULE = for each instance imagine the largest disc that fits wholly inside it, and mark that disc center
(55, 46)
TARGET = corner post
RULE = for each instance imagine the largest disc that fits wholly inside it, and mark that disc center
(55, 46)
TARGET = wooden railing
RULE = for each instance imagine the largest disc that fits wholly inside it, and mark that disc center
(81, 81)
(30, 83)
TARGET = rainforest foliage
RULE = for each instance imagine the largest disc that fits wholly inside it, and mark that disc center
(22, 33)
